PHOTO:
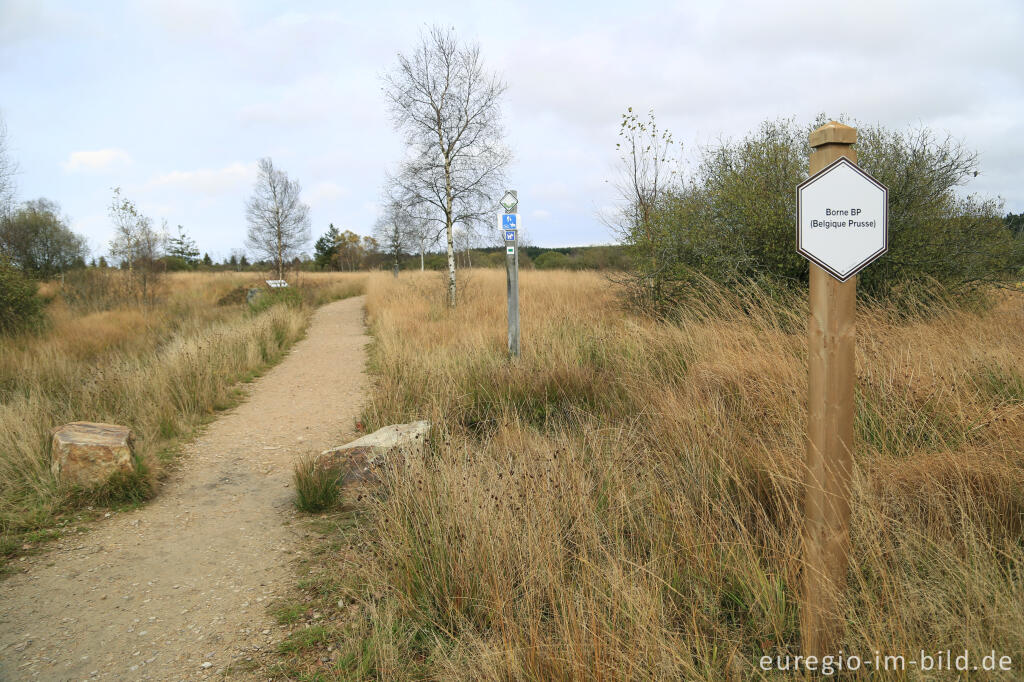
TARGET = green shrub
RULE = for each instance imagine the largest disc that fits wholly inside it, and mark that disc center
(316, 487)
(176, 264)
(236, 296)
(20, 306)
(732, 218)
(290, 296)
(550, 260)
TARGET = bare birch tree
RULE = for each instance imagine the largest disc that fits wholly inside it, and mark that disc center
(419, 233)
(8, 168)
(424, 236)
(447, 105)
(395, 232)
(279, 223)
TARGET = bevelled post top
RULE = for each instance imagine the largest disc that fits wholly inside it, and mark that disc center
(833, 132)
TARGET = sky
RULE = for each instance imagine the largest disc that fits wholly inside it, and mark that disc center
(174, 101)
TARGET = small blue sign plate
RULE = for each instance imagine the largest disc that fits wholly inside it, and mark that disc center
(510, 235)
(508, 221)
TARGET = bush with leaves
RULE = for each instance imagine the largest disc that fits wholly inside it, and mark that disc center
(20, 306)
(37, 238)
(550, 260)
(733, 218)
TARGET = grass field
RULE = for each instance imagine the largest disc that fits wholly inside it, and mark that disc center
(624, 500)
(161, 369)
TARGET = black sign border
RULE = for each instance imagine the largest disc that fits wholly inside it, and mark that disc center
(885, 219)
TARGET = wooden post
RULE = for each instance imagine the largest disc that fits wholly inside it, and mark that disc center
(510, 202)
(830, 411)
(512, 267)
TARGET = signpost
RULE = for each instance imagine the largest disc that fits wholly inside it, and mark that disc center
(841, 227)
(509, 225)
(841, 212)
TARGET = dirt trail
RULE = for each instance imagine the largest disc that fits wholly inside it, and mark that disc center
(178, 589)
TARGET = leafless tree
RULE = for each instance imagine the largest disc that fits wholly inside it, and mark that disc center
(395, 232)
(465, 241)
(448, 107)
(8, 168)
(421, 233)
(278, 220)
(425, 237)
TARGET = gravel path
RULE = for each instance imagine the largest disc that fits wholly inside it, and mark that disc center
(178, 589)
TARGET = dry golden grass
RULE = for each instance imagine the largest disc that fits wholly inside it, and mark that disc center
(160, 369)
(624, 501)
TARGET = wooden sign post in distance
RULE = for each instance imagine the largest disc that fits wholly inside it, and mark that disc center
(841, 228)
(509, 224)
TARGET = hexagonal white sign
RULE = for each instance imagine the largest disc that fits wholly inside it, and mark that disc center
(842, 219)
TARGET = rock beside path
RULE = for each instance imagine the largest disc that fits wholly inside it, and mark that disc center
(87, 454)
(154, 592)
(363, 459)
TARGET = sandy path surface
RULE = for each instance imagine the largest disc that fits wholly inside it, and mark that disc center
(178, 589)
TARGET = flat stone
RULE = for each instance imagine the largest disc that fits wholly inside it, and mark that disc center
(364, 458)
(87, 454)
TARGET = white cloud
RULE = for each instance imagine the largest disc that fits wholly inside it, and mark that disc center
(208, 180)
(304, 88)
(96, 160)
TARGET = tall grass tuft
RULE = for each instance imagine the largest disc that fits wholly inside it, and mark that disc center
(159, 369)
(624, 501)
(316, 487)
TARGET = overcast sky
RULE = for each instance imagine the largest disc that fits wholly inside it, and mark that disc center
(175, 100)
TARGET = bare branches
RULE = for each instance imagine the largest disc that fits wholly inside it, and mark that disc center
(396, 231)
(8, 168)
(647, 158)
(447, 107)
(278, 220)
